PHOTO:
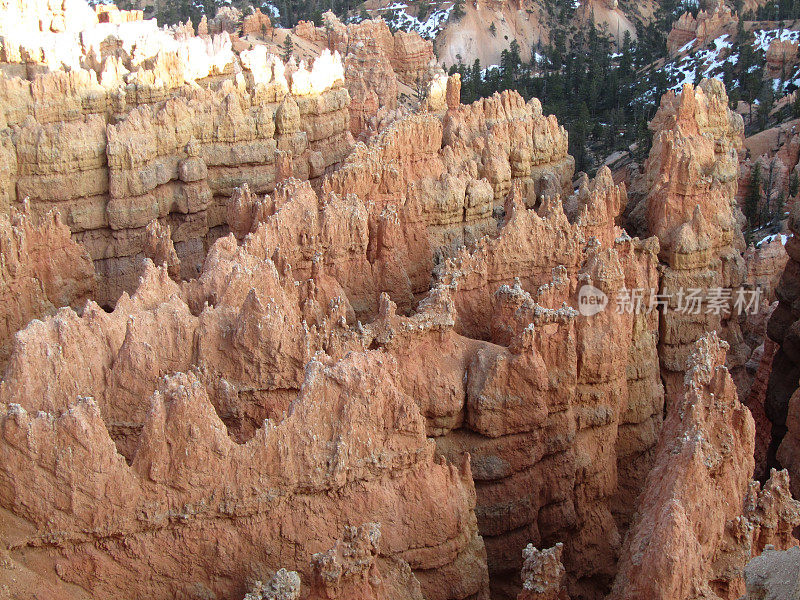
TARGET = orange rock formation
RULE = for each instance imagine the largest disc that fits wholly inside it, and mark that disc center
(700, 518)
(688, 189)
(707, 26)
(359, 370)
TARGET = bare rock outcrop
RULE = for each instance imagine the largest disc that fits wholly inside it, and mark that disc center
(780, 57)
(363, 370)
(523, 368)
(699, 518)
(773, 575)
(543, 574)
(703, 28)
(285, 585)
(159, 248)
(377, 62)
(188, 476)
(41, 269)
(688, 190)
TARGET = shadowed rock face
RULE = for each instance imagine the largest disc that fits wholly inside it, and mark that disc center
(780, 402)
(360, 370)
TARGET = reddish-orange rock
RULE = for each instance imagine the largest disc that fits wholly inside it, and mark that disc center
(696, 221)
(188, 478)
(41, 269)
(707, 26)
(780, 57)
(699, 518)
(360, 370)
(257, 24)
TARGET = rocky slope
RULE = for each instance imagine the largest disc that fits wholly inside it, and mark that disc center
(488, 27)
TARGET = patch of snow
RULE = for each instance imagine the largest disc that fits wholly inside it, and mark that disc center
(771, 238)
(686, 46)
(272, 10)
(396, 16)
(765, 36)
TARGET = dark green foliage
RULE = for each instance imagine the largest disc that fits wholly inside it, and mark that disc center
(288, 47)
(590, 92)
(458, 11)
(753, 199)
(169, 12)
(766, 99)
(778, 10)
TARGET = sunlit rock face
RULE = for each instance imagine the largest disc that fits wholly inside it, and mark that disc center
(152, 123)
(298, 283)
(377, 63)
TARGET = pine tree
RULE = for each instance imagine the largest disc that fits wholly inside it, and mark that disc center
(288, 47)
(765, 101)
(753, 199)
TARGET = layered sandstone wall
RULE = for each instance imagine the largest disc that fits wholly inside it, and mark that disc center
(127, 137)
(306, 282)
(377, 64)
(366, 373)
(688, 189)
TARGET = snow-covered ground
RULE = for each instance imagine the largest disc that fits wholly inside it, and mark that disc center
(765, 36)
(771, 238)
(396, 16)
(693, 65)
(707, 62)
(270, 9)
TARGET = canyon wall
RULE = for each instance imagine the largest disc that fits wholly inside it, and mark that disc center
(391, 368)
(700, 518)
(527, 388)
(128, 136)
